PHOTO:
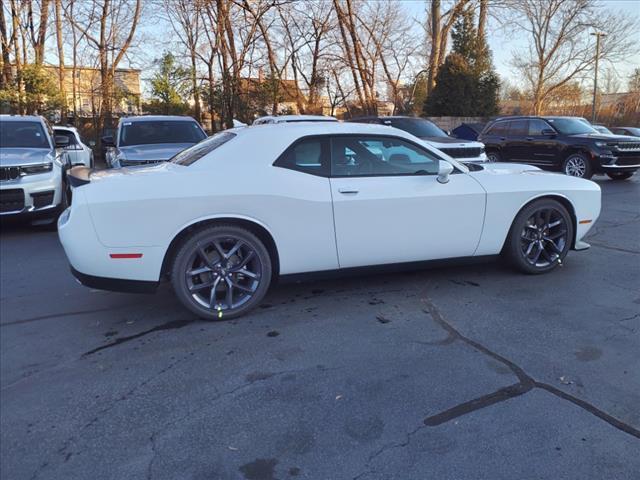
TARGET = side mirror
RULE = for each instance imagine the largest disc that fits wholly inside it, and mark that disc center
(108, 141)
(548, 131)
(444, 170)
(61, 141)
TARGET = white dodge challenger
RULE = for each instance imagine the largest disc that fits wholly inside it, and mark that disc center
(227, 216)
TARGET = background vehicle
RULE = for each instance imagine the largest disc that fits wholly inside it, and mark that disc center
(317, 197)
(630, 131)
(602, 129)
(78, 152)
(568, 144)
(468, 131)
(462, 150)
(150, 139)
(292, 119)
(32, 168)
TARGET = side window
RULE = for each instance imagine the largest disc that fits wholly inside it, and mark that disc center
(375, 156)
(499, 128)
(518, 128)
(536, 126)
(308, 155)
(70, 136)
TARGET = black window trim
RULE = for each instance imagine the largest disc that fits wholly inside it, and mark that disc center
(325, 160)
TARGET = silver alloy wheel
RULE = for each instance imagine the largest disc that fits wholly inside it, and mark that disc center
(544, 237)
(223, 273)
(575, 166)
(492, 157)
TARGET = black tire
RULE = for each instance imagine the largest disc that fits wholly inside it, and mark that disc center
(620, 175)
(577, 165)
(533, 232)
(235, 258)
(493, 156)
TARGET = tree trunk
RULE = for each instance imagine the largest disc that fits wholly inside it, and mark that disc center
(6, 74)
(61, 69)
(482, 18)
(39, 45)
(434, 55)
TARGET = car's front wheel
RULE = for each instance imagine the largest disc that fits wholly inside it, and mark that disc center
(620, 175)
(540, 237)
(493, 156)
(577, 165)
(221, 272)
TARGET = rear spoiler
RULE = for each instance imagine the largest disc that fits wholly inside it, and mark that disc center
(79, 176)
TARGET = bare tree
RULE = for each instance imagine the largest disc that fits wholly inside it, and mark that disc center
(61, 66)
(560, 48)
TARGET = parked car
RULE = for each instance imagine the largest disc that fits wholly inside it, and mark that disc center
(561, 143)
(462, 150)
(319, 197)
(33, 166)
(468, 131)
(292, 119)
(629, 131)
(150, 139)
(79, 153)
(602, 129)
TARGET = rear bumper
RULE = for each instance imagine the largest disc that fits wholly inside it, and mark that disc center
(114, 284)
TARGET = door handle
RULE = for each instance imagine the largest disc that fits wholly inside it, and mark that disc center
(529, 139)
(348, 191)
(502, 139)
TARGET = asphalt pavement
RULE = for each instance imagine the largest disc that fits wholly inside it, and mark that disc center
(466, 372)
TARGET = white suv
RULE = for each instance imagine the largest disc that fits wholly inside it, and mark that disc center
(32, 168)
(79, 153)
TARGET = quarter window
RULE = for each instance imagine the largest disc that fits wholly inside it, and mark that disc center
(308, 155)
(375, 156)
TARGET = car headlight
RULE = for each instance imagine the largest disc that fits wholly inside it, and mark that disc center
(601, 144)
(35, 169)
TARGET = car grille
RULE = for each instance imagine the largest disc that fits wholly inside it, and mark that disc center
(462, 152)
(133, 163)
(9, 173)
(628, 160)
(628, 147)
(11, 200)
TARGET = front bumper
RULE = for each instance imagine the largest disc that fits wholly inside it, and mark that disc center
(618, 163)
(32, 195)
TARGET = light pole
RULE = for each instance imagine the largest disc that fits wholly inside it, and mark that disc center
(595, 80)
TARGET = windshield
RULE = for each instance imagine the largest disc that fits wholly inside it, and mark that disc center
(571, 126)
(418, 127)
(603, 129)
(22, 135)
(634, 131)
(161, 131)
(196, 152)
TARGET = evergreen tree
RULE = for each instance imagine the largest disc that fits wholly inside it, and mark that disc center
(169, 87)
(466, 85)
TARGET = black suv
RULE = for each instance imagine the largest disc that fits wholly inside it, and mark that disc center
(561, 143)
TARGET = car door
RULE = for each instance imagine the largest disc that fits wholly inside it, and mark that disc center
(516, 141)
(541, 146)
(72, 148)
(389, 207)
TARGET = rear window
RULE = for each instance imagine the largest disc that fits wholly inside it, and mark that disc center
(417, 127)
(22, 135)
(163, 131)
(199, 150)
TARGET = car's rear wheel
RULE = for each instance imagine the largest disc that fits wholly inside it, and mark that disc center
(620, 175)
(221, 272)
(493, 156)
(577, 165)
(540, 237)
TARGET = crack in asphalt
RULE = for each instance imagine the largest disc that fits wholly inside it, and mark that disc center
(67, 443)
(64, 314)
(526, 384)
(171, 325)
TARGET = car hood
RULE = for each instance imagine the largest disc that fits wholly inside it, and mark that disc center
(11, 157)
(508, 168)
(448, 140)
(162, 151)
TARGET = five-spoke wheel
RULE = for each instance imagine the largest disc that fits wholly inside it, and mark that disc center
(221, 272)
(540, 237)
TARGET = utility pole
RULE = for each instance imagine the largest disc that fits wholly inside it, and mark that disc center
(595, 80)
